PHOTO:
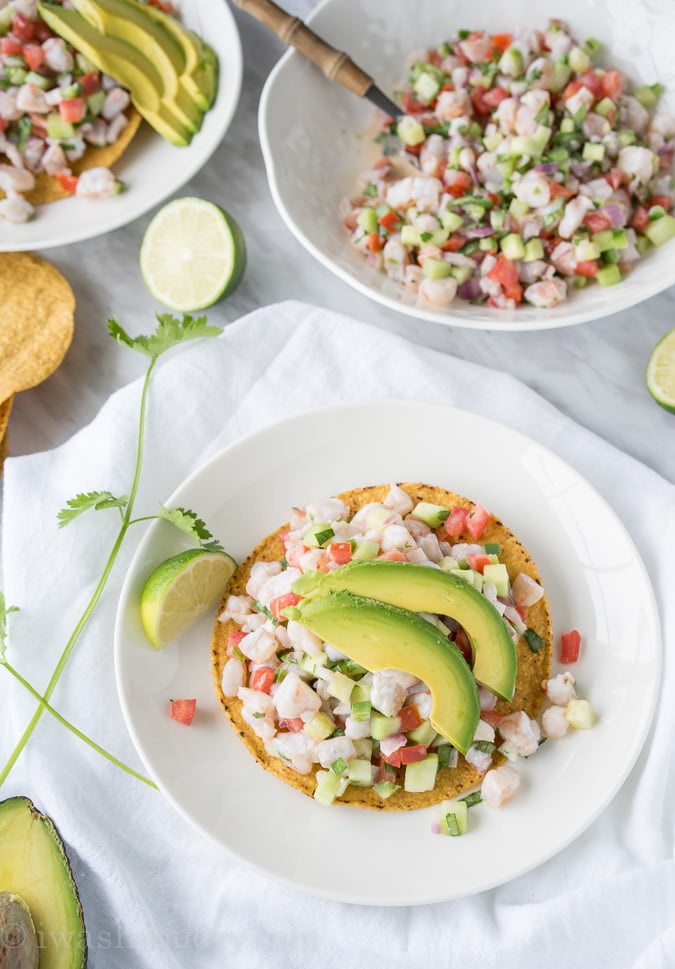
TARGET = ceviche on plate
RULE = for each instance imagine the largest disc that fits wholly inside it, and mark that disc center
(538, 168)
(391, 648)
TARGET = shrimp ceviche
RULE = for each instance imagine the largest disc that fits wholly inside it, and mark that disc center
(312, 715)
(54, 106)
(537, 170)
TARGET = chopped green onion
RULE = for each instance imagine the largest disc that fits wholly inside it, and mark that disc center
(533, 640)
(370, 191)
(450, 825)
(473, 798)
(485, 746)
(492, 548)
(259, 607)
(237, 653)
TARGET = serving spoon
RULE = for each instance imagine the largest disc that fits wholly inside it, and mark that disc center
(336, 65)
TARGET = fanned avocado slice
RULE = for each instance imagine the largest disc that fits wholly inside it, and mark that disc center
(423, 589)
(379, 636)
(35, 867)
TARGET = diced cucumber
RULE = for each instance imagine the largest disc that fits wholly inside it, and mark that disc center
(656, 212)
(410, 236)
(38, 80)
(466, 574)
(511, 62)
(361, 692)
(450, 220)
(6, 15)
(383, 727)
(593, 151)
(363, 748)
(423, 734)
(578, 60)
(610, 257)
(360, 772)
(16, 76)
(608, 275)
(567, 126)
(620, 239)
(580, 714)
(421, 776)
(386, 788)
(513, 246)
(505, 169)
(661, 230)
(604, 240)
(84, 64)
(95, 102)
(499, 576)
(580, 282)
(454, 817)
(448, 564)
(432, 515)
(592, 46)
(340, 686)
(320, 727)
(436, 268)
(626, 137)
(410, 131)
(365, 551)
(461, 274)
(310, 664)
(329, 786)
(486, 245)
(518, 208)
(586, 249)
(560, 76)
(534, 250)
(605, 107)
(58, 128)
(361, 710)
(318, 534)
(426, 87)
(648, 94)
(493, 141)
(367, 219)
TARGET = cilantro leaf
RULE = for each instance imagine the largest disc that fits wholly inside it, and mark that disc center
(83, 502)
(188, 522)
(169, 333)
(4, 612)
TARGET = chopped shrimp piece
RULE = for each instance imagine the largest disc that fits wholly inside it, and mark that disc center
(116, 101)
(499, 784)
(434, 156)
(14, 208)
(438, 292)
(554, 722)
(258, 711)
(54, 160)
(526, 590)
(357, 729)
(547, 293)
(328, 751)
(505, 115)
(260, 573)
(236, 608)
(15, 179)
(115, 128)
(278, 585)
(57, 56)
(415, 190)
(399, 500)
(31, 100)
(295, 749)
(533, 188)
(232, 677)
(575, 213)
(521, 734)
(94, 182)
(387, 694)
(304, 639)
(293, 697)
(259, 645)
(480, 759)
(595, 126)
(540, 74)
(583, 98)
(560, 689)
(328, 510)
(477, 49)
(641, 163)
(452, 104)
(564, 258)
(395, 254)
(8, 108)
(633, 114)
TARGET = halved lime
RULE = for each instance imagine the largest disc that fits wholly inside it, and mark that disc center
(661, 372)
(193, 254)
(180, 589)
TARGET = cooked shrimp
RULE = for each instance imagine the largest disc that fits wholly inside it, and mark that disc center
(387, 694)
(418, 190)
(499, 784)
(399, 500)
(31, 100)
(57, 56)
(554, 722)
(232, 677)
(293, 697)
(452, 104)
(328, 751)
(547, 293)
(236, 608)
(54, 160)
(560, 689)
(14, 208)
(15, 179)
(438, 292)
(595, 127)
(533, 188)
(295, 749)
(434, 156)
(576, 211)
(259, 645)
(564, 258)
(640, 163)
(521, 734)
(95, 182)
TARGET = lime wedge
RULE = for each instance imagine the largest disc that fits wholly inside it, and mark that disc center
(193, 254)
(661, 372)
(180, 589)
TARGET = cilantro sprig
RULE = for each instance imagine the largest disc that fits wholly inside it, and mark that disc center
(169, 333)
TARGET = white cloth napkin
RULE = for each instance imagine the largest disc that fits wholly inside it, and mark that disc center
(156, 893)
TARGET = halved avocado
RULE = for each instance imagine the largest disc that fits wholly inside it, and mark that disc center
(379, 637)
(423, 589)
(34, 866)
(123, 62)
(127, 21)
(19, 947)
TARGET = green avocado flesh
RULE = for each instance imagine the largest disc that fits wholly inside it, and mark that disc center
(34, 866)
(123, 62)
(128, 22)
(423, 589)
(380, 637)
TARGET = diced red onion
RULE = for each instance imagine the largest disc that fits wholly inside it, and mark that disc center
(474, 175)
(470, 289)
(616, 213)
(480, 232)
(548, 168)
(435, 827)
(390, 744)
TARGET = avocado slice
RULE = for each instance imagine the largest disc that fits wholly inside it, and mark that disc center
(201, 64)
(380, 637)
(127, 22)
(35, 867)
(422, 589)
(123, 62)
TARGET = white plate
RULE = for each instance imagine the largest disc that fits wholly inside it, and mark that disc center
(591, 570)
(316, 137)
(151, 168)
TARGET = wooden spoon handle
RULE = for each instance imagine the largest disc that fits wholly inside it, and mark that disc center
(335, 64)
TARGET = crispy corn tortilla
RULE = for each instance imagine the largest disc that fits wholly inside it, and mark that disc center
(37, 309)
(533, 668)
(5, 409)
(47, 187)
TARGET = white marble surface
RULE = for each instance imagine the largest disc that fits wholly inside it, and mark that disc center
(593, 372)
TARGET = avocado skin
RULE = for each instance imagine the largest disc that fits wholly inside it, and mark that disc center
(21, 825)
(430, 590)
(379, 636)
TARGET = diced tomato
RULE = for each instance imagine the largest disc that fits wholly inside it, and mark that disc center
(560, 191)
(435, 58)
(501, 41)
(521, 610)
(455, 523)
(411, 105)
(615, 178)
(90, 83)
(283, 602)
(22, 28)
(414, 149)
(477, 519)
(505, 272)
(454, 243)
(295, 725)
(640, 219)
(340, 552)
(664, 201)
(495, 96)
(10, 46)
(72, 110)
(492, 717)
(480, 106)
(395, 555)
(611, 84)
(571, 89)
(234, 638)
(410, 755)
(183, 711)
(410, 718)
(588, 267)
(3, 124)
(478, 561)
(374, 242)
(33, 55)
(597, 221)
(389, 220)
(570, 644)
(394, 758)
(593, 83)
(262, 679)
(67, 182)
(463, 644)
(164, 6)
(457, 184)
(282, 535)
(42, 32)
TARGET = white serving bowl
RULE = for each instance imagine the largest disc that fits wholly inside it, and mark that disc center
(316, 137)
